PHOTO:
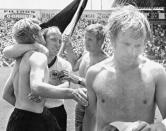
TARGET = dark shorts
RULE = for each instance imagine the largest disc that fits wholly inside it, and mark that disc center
(79, 116)
(21, 120)
(61, 116)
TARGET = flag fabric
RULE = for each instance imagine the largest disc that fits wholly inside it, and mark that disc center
(71, 26)
(64, 17)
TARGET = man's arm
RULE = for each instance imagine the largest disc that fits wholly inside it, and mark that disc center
(70, 55)
(64, 75)
(160, 97)
(75, 61)
(38, 63)
(160, 93)
(74, 78)
(67, 74)
(8, 90)
(17, 50)
(90, 112)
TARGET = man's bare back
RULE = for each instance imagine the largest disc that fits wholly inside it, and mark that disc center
(22, 88)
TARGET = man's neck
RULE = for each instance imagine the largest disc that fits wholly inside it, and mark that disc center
(52, 61)
(50, 58)
(121, 66)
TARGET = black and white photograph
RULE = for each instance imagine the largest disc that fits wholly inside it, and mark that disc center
(83, 65)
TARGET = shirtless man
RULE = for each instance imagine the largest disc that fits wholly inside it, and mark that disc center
(53, 38)
(93, 40)
(31, 76)
(127, 86)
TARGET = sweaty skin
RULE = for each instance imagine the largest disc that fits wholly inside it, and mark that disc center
(125, 87)
(22, 84)
(125, 96)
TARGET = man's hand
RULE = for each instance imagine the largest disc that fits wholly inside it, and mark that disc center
(65, 44)
(158, 127)
(127, 126)
(66, 39)
(110, 128)
(80, 95)
(65, 75)
(143, 126)
(69, 49)
(134, 126)
(56, 75)
(34, 98)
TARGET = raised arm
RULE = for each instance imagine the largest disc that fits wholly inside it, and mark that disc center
(77, 64)
(71, 56)
(17, 50)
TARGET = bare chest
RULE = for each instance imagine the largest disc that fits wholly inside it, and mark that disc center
(92, 61)
(124, 93)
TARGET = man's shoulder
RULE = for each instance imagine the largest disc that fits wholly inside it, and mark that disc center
(153, 67)
(64, 62)
(97, 68)
(85, 56)
(61, 59)
(156, 70)
(37, 57)
(37, 54)
(151, 63)
(93, 72)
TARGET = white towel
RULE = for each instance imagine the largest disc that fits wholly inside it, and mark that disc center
(125, 126)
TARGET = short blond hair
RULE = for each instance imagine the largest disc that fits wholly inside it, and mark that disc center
(97, 30)
(24, 29)
(55, 30)
(128, 17)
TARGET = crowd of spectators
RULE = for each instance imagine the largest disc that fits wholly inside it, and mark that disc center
(156, 49)
(5, 39)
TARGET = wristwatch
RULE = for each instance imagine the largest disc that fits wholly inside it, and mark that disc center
(79, 81)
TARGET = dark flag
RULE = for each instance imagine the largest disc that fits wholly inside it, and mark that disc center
(64, 17)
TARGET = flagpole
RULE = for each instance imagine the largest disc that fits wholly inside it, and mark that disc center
(101, 4)
(91, 4)
(70, 28)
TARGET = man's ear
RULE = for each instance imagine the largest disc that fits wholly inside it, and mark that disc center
(39, 39)
(34, 37)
